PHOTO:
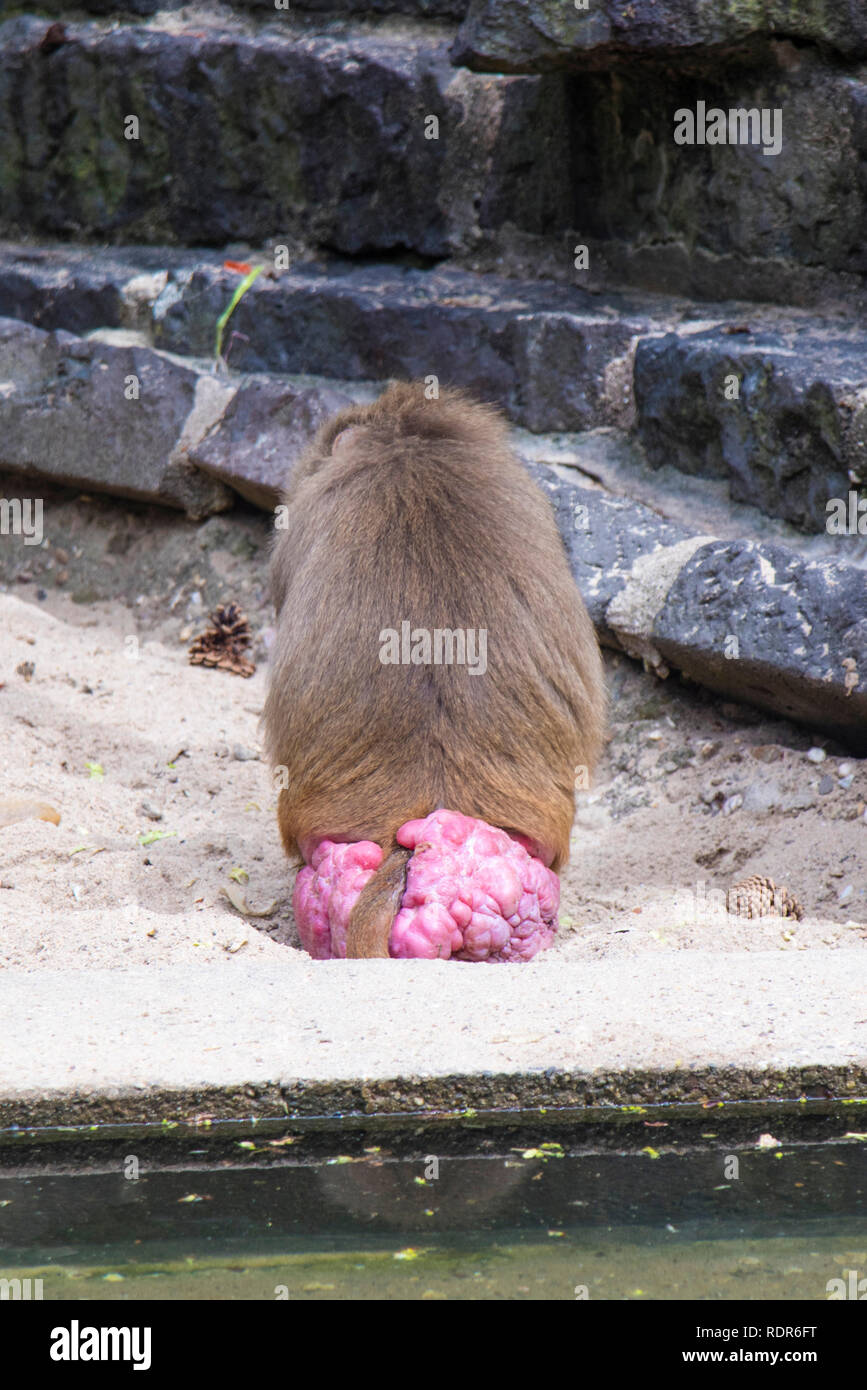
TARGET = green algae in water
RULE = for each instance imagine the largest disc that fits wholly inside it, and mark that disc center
(658, 1266)
(533, 1222)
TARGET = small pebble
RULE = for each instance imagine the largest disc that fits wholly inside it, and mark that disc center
(244, 755)
(732, 803)
(817, 755)
(845, 893)
(150, 811)
(826, 785)
(766, 752)
(846, 782)
(708, 750)
(845, 769)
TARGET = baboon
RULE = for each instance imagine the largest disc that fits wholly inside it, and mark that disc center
(412, 510)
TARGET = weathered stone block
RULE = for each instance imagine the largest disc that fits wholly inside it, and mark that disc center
(755, 622)
(533, 35)
(262, 433)
(358, 141)
(541, 351)
(782, 415)
(114, 419)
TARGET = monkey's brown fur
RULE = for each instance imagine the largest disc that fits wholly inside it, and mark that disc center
(414, 509)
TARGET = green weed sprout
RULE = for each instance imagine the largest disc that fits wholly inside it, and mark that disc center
(227, 313)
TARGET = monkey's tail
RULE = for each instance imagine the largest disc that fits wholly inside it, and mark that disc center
(373, 915)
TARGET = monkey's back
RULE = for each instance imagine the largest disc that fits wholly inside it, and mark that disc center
(415, 512)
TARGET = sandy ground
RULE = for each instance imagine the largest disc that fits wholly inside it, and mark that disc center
(115, 730)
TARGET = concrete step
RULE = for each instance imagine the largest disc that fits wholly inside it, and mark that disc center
(147, 1044)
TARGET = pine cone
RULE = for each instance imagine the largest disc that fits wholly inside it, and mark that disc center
(760, 897)
(224, 643)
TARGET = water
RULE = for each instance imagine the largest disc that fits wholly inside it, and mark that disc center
(519, 1223)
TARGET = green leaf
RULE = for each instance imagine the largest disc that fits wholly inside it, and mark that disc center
(151, 837)
(227, 313)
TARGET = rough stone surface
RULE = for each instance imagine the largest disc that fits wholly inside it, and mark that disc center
(800, 628)
(678, 601)
(260, 435)
(796, 435)
(533, 35)
(641, 201)
(65, 416)
(343, 1036)
(285, 131)
(264, 9)
(539, 350)
(82, 288)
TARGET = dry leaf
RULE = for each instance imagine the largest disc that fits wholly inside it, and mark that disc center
(13, 810)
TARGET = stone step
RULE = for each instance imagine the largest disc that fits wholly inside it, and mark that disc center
(360, 139)
(270, 9)
(754, 621)
(663, 175)
(553, 358)
(107, 413)
(781, 414)
(533, 35)
(556, 358)
(316, 128)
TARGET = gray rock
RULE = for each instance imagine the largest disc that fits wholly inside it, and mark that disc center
(795, 437)
(79, 289)
(533, 35)
(540, 350)
(447, 9)
(290, 130)
(675, 601)
(796, 622)
(69, 413)
(260, 435)
(638, 193)
(760, 798)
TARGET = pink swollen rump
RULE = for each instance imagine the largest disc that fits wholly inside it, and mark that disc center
(472, 893)
(326, 891)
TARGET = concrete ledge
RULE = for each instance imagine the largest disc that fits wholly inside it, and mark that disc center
(116, 1047)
